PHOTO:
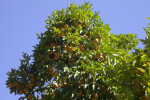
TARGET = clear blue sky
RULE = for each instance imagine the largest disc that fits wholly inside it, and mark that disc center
(20, 20)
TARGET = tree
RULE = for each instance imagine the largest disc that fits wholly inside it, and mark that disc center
(78, 59)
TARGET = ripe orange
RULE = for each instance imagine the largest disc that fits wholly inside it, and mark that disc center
(145, 98)
(81, 82)
(66, 26)
(96, 96)
(101, 56)
(42, 95)
(62, 35)
(64, 84)
(10, 85)
(25, 90)
(70, 30)
(38, 78)
(70, 50)
(72, 59)
(56, 58)
(31, 75)
(87, 80)
(82, 24)
(60, 28)
(18, 87)
(139, 72)
(103, 88)
(31, 80)
(85, 36)
(52, 95)
(116, 96)
(29, 97)
(99, 36)
(42, 62)
(55, 85)
(50, 68)
(15, 83)
(31, 84)
(21, 92)
(57, 55)
(25, 72)
(95, 56)
(52, 44)
(75, 24)
(93, 99)
(81, 48)
(95, 41)
(80, 93)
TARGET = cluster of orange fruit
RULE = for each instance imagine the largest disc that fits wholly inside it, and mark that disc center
(23, 88)
(51, 70)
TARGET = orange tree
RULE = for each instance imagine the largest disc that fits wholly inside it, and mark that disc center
(78, 59)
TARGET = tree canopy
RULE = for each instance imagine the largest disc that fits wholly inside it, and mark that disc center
(77, 58)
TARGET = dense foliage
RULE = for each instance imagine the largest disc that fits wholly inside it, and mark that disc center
(77, 58)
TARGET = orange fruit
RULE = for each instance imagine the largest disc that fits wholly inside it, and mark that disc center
(85, 36)
(66, 73)
(62, 35)
(81, 48)
(52, 44)
(18, 87)
(93, 99)
(96, 96)
(38, 78)
(95, 56)
(80, 93)
(42, 95)
(116, 96)
(60, 28)
(55, 85)
(31, 75)
(15, 84)
(75, 24)
(25, 72)
(42, 62)
(31, 80)
(95, 41)
(57, 54)
(35, 84)
(81, 82)
(66, 26)
(145, 98)
(25, 90)
(101, 56)
(82, 24)
(56, 58)
(64, 84)
(21, 92)
(70, 30)
(10, 85)
(72, 59)
(99, 36)
(103, 88)
(29, 97)
(139, 72)
(87, 80)
(52, 95)
(70, 50)
(53, 74)
(31, 84)
(50, 68)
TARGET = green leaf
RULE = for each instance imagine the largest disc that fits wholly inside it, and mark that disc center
(148, 18)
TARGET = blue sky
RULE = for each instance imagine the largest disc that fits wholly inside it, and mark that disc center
(20, 20)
